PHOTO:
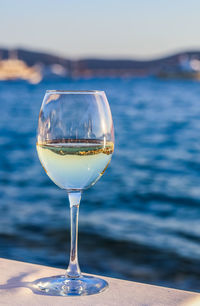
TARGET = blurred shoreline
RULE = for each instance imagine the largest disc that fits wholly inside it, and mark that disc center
(183, 65)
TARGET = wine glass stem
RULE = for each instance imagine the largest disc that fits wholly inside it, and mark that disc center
(73, 270)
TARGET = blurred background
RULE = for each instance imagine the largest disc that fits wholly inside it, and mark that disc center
(141, 221)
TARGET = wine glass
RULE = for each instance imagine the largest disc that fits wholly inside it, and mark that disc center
(75, 143)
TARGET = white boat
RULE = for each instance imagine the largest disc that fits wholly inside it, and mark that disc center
(15, 69)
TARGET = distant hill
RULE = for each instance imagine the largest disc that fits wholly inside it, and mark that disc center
(103, 67)
(32, 57)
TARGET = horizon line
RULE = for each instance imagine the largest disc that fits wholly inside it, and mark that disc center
(104, 57)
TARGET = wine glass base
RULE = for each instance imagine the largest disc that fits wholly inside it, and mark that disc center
(63, 286)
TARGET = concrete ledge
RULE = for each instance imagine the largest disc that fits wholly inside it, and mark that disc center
(15, 276)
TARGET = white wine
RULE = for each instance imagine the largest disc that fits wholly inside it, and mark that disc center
(75, 164)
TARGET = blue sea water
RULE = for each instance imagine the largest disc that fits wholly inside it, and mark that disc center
(141, 221)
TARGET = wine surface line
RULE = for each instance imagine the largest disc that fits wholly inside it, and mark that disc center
(75, 164)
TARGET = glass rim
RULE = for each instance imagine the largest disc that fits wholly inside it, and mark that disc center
(54, 91)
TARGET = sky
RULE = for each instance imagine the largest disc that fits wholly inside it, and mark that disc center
(140, 29)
